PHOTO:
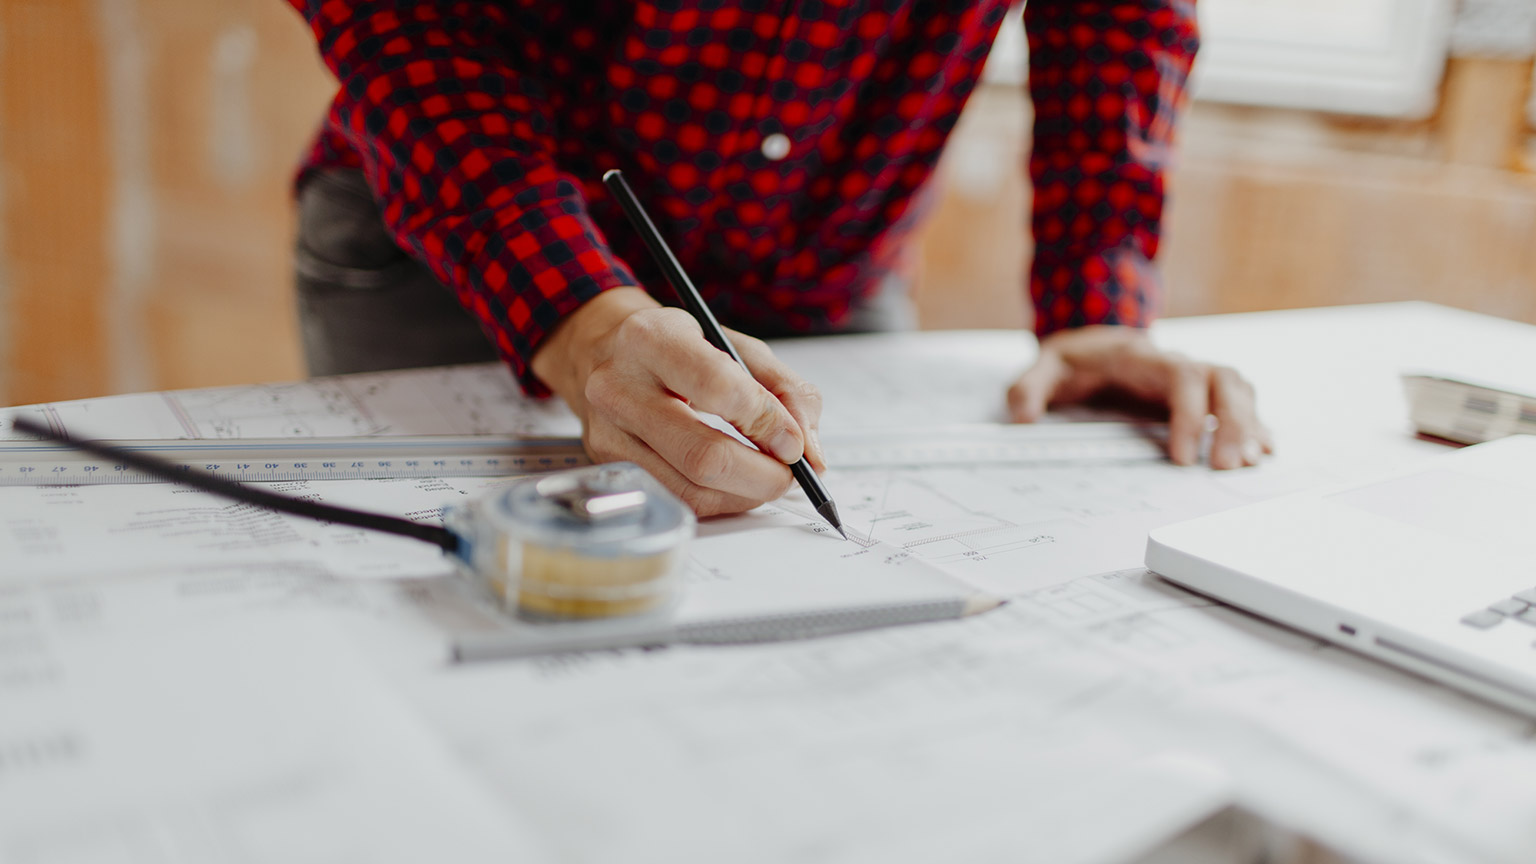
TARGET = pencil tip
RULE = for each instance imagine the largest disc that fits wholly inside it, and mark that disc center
(828, 511)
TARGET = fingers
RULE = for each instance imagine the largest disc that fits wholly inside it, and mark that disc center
(638, 408)
(1077, 364)
(608, 443)
(711, 381)
(1032, 392)
(798, 396)
(1199, 390)
(705, 457)
(1188, 404)
(1240, 439)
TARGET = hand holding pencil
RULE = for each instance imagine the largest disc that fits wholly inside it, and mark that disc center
(634, 371)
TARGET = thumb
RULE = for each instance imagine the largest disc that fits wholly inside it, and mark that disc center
(1032, 392)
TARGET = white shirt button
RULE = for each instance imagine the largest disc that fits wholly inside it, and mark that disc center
(776, 146)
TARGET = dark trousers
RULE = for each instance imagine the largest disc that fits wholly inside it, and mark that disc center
(364, 305)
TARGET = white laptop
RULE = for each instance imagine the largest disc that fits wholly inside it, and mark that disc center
(1431, 568)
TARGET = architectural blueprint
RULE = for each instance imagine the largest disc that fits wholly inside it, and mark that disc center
(1099, 707)
(462, 400)
(1443, 757)
(867, 383)
(284, 746)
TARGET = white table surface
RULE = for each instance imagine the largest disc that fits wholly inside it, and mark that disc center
(1018, 736)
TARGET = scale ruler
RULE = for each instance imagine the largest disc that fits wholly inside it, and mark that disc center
(43, 463)
(998, 444)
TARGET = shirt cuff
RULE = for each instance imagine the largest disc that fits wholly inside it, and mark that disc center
(543, 266)
(1116, 286)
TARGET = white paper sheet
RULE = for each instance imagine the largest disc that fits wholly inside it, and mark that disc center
(108, 531)
(258, 737)
(981, 740)
(477, 399)
(1462, 767)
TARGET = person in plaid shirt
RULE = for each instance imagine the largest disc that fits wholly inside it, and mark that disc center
(452, 208)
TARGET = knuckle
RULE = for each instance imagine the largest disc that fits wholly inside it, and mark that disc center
(716, 385)
(702, 501)
(758, 413)
(807, 394)
(694, 497)
(750, 345)
(1190, 372)
(603, 388)
(675, 328)
(706, 460)
(672, 316)
(644, 330)
(635, 329)
(601, 443)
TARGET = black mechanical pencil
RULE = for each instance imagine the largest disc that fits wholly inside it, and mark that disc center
(686, 292)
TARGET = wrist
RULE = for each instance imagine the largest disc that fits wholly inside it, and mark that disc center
(568, 355)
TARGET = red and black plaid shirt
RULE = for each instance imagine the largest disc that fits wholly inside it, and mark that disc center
(779, 144)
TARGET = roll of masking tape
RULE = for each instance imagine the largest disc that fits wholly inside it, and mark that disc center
(604, 541)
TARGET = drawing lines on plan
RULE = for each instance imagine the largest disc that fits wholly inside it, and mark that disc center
(462, 400)
(912, 511)
(297, 410)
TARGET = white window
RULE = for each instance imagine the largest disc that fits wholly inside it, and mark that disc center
(1374, 57)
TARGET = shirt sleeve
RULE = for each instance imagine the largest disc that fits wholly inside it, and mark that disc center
(458, 144)
(1107, 79)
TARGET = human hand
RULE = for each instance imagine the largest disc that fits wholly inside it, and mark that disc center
(633, 371)
(1075, 365)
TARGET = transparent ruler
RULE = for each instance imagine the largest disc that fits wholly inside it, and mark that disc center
(39, 463)
(998, 444)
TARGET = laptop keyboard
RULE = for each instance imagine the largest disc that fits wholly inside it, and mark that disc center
(1521, 607)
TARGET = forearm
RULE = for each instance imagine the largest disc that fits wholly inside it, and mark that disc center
(457, 143)
(1107, 80)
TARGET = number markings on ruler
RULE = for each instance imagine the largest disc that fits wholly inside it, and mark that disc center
(35, 463)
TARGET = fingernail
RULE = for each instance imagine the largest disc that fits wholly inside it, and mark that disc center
(1227, 456)
(786, 447)
(1252, 451)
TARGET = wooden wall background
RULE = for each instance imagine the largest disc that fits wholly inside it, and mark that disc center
(1273, 209)
(146, 149)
